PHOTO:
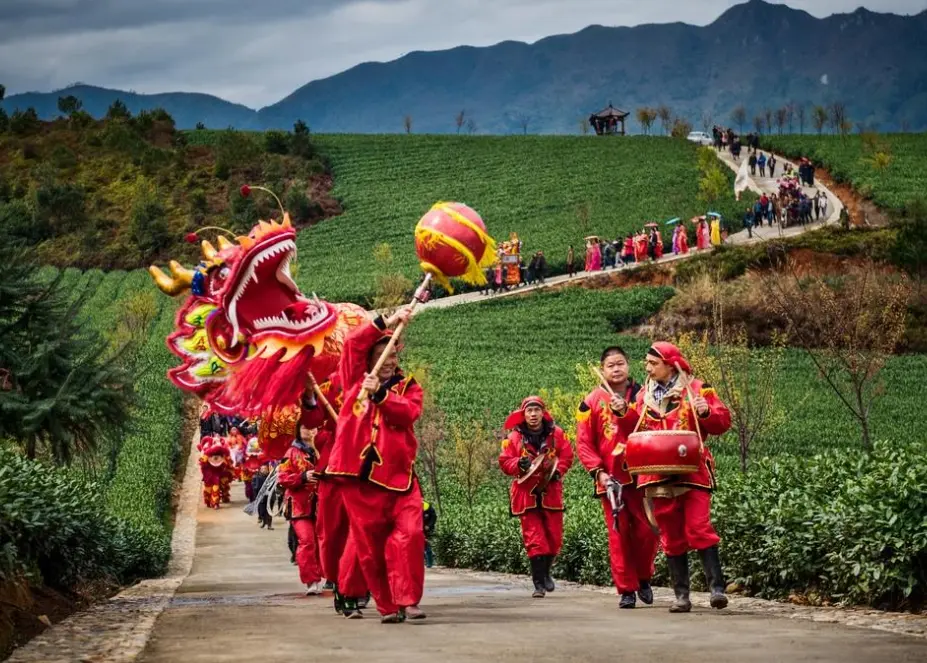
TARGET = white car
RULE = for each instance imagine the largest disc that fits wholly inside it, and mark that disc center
(700, 137)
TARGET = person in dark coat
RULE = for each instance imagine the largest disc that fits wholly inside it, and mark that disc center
(429, 520)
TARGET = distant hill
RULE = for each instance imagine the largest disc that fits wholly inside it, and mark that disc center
(758, 54)
(187, 108)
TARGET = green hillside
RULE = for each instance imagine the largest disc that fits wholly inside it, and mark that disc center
(531, 185)
(890, 169)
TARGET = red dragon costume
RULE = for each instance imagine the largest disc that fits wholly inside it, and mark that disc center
(247, 335)
(681, 503)
(600, 444)
(537, 501)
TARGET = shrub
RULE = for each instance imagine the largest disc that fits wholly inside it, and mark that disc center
(276, 142)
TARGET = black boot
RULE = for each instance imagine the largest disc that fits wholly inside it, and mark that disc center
(628, 600)
(711, 562)
(645, 592)
(679, 568)
(548, 581)
(537, 575)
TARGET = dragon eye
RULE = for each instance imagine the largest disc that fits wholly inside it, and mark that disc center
(224, 273)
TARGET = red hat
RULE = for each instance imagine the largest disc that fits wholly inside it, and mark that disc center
(517, 417)
(385, 336)
(670, 354)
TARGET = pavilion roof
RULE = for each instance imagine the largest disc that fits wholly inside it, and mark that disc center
(611, 111)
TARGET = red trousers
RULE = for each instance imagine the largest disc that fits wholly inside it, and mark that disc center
(631, 549)
(337, 549)
(211, 495)
(542, 532)
(307, 551)
(685, 522)
(387, 528)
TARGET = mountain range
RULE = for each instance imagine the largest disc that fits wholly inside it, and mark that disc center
(757, 54)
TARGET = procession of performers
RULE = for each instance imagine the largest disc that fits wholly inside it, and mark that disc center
(355, 506)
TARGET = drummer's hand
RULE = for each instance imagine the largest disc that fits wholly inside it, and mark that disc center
(524, 463)
(370, 384)
(603, 478)
(618, 404)
(701, 406)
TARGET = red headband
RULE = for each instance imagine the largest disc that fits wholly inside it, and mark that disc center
(670, 354)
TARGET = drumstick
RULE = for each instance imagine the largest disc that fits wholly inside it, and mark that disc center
(328, 406)
(688, 381)
(596, 372)
(417, 299)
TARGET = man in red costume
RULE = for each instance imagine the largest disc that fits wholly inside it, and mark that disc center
(600, 444)
(297, 475)
(337, 550)
(538, 501)
(682, 503)
(372, 462)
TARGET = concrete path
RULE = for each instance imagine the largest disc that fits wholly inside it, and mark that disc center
(243, 602)
(742, 237)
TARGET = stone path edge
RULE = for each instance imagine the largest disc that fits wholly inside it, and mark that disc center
(118, 629)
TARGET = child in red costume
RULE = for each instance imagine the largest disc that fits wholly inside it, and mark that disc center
(297, 475)
(215, 468)
(681, 503)
(337, 552)
(372, 464)
(538, 501)
(600, 443)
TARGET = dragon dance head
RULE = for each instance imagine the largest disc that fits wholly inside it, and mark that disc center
(246, 334)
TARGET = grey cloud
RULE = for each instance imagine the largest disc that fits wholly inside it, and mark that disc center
(256, 52)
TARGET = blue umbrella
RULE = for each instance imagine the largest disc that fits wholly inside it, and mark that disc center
(672, 221)
(714, 214)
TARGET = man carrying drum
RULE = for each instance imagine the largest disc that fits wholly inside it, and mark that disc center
(600, 444)
(673, 401)
(538, 453)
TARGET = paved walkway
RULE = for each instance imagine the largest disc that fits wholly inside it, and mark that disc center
(243, 602)
(761, 234)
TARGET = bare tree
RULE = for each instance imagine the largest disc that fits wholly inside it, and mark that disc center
(768, 115)
(800, 112)
(745, 377)
(583, 126)
(739, 117)
(848, 327)
(460, 119)
(523, 120)
(666, 116)
(905, 126)
(407, 123)
(819, 116)
(471, 126)
(759, 123)
(838, 116)
(431, 431)
(707, 121)
(782, 116)
(475, 450)
(790, 113)
(645, 117)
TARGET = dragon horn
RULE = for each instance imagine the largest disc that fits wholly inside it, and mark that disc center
(209, 251)
(180, 278)
(224, 243)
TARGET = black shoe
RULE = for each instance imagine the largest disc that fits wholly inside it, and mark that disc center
(645, 592)
(628, 601)
(537, 576)
(711, 562)
(338, 602)
(679, 567)
(549, 585)
(362, 602)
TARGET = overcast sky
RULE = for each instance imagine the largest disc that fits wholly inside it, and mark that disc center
(257, 51)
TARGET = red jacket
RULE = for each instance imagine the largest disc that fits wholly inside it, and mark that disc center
(292, 475)
(598, 435)
(379, 445)
(680, 416)
(522, 496)
(317, 416)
